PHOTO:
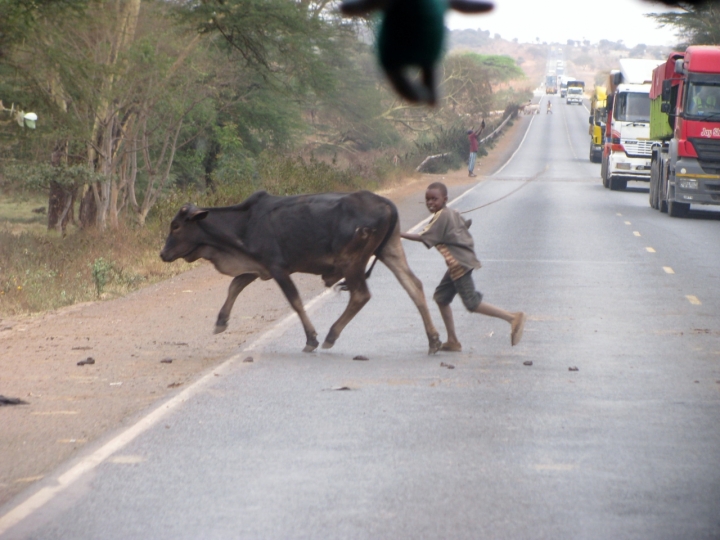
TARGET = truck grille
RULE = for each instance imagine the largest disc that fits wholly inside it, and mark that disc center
(707, 149)
(638, 148)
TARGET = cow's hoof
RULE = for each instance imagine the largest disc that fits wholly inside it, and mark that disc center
(328, 345)
(220, 328)
(310, 347)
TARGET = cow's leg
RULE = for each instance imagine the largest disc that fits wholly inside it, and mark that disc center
(359, 296)
(393, 255)
(236, 286)
(291, 293)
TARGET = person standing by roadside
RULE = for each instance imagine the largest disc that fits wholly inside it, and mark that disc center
(473, 139)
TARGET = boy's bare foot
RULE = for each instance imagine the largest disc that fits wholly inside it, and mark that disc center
(451, 347)
(518, 324)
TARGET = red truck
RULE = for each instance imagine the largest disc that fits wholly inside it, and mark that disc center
(685, 125)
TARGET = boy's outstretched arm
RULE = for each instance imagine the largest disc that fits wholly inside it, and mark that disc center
(411, 236)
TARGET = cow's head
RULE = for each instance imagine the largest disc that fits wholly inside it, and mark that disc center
(185, 235)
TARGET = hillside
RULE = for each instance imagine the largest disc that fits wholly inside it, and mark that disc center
(586, 61)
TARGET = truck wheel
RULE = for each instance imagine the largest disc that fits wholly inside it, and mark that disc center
(652, 192)
(663, 191)
(617, 184)
(677, 209)
(603, 173)
(651, 195)
(656, 198)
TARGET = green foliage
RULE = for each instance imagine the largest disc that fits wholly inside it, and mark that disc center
(697, 23)
(452, 141)
(18, 17)
(296, 175)
(37, 177)
(101, 273)
(496, 67)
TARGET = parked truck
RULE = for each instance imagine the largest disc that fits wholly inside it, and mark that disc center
(598, 116)
(575, 92)
(551, 83)
(685, 121)
(627, 147)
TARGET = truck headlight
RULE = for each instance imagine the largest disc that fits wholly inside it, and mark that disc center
(688, 183)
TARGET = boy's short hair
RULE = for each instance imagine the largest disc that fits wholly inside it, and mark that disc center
(442, 188)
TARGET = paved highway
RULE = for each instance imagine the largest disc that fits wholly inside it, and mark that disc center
(627, 446)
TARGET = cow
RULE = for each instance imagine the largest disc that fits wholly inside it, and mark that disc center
(332, 235)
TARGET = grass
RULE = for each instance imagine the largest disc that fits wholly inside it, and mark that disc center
(17, 214)
(40, 272)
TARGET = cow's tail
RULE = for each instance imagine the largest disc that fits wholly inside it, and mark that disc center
(342, 285)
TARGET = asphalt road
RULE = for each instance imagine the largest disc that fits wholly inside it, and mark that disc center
(627, 446)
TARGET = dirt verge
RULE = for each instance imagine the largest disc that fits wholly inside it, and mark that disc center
(145, 346)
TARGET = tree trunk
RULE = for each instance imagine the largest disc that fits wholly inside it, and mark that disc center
(60, 198)
(101, 150)
(60, 207)
(87, 215)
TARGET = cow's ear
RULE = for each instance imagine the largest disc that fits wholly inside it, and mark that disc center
(197, 214)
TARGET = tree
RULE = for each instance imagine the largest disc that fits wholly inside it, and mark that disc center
(118, 90)
(18, 17)
(697, 23)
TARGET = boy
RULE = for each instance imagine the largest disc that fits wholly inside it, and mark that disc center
(448, 232)
(473, 139)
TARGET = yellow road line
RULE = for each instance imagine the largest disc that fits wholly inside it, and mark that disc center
(693, 300)
(668, 270)
(650, 250)
(636, 233)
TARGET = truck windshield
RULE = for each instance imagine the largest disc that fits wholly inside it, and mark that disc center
(702, 100)
(632, 107)
(575, 90)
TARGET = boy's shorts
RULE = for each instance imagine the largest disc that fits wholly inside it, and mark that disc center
(464, 286)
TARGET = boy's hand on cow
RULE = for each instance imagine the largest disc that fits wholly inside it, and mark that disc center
(411, 236)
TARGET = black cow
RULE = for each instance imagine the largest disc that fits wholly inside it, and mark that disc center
(331, 234)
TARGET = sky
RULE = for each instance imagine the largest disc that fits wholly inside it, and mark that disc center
(560, 20)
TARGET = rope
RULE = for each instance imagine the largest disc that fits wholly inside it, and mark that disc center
(535, 177)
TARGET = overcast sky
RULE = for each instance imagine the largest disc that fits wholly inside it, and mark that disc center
(560, 20)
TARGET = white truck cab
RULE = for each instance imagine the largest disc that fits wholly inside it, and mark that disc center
(574, 95)
(628, 148)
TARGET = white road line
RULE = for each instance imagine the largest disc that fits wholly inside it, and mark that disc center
(516, 150)
(693, 300)
(90, 462)
(668, 270)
